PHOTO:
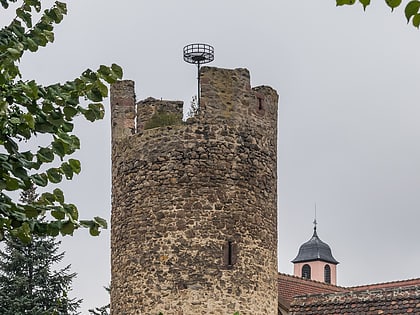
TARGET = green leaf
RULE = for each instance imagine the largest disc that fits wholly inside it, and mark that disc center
(67, 127)
(94, 95)
(25, 16)
(393, 3)
(365, 3)
(90, 115)
(102, 222)
(75, 165)
(98, 110)
(49, 36)
(71, 211)
(59, 148)
(416, 20)
(32, 46)
(104, 70)
(12, 184)
(47, 107)
(14, 52)
(29, 118)
(117, 70)
(47, 198)
(7, 166)
(20, 172)
(58, 214)
(67, 228)
(54, 175)
(14, 120)
(59, 195)
(345, 2)
(70, 112)
(11, 146)
(102, 88)
(31, 212)
(53, 229)
(67, 170)
(94, 231)
(92, 225)
(45, 155)
(40, 179)
(4, 3)
(24, 233)
(411, 9)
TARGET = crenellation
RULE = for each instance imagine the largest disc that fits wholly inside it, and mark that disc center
(159, 112)
(123, 100)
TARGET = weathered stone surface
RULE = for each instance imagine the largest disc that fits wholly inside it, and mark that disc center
(122, 109)
(194, 211)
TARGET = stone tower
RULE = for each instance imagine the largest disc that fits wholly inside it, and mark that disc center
(194, 204)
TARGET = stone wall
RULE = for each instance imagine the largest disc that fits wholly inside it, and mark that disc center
(123, 101)
(152, 112)
(194, 209)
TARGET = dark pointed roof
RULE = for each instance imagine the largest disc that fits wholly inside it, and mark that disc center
(315, 249)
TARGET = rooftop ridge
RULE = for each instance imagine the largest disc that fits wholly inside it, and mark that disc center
(320, 283)
(345, 296)
(388, 284)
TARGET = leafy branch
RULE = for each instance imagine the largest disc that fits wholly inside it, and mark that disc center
(27, 110)
(412, 9)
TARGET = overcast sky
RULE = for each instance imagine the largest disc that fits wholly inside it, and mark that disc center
(349, 117)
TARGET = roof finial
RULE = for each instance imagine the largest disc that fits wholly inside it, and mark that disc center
(315, 222)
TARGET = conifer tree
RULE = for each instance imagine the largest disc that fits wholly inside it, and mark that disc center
(103, 310)
(29, 284)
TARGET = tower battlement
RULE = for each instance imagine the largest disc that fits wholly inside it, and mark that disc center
(194, 204)
(226, 97)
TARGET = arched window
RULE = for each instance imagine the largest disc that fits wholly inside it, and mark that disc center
(306, 271)
(327, 274)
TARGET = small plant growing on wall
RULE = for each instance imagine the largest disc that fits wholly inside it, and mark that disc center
(194, 108)
(161, 119)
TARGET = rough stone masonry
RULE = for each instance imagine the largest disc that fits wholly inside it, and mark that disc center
(194, 204)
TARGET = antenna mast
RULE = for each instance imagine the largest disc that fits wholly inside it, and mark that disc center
(198, 54)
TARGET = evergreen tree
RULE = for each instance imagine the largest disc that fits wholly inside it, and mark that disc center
(28, 282)
(103, 310)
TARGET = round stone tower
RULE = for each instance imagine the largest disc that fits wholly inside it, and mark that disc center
(194, 204)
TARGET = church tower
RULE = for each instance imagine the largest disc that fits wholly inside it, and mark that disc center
(194, 204)
(315, 261)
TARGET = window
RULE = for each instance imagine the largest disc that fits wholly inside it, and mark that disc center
(306, 271)
(260, 103)
(230, 254)
(327, 274)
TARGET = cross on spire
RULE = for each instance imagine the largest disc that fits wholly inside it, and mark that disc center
(315, 222)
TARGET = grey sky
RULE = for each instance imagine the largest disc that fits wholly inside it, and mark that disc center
(349, 116)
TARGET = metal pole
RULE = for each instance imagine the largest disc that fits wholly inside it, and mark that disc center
(198, 88)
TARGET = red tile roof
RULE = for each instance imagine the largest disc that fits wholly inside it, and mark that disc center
(308, 297)
(291, 286)
(386, 301)
(393, 284)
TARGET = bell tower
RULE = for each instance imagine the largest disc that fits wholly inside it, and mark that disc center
(315, 261)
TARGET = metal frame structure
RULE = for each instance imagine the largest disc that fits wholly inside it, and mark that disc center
(198, 54)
